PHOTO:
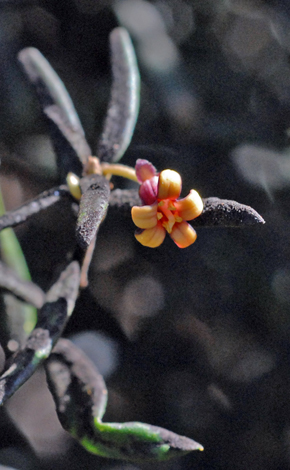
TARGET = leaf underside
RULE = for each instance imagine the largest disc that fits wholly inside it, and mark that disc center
(93, 208)
(80, 395)
(123, 108)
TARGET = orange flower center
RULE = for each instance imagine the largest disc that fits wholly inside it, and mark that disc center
(168, 214)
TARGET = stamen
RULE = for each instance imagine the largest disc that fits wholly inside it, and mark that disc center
(168, 225)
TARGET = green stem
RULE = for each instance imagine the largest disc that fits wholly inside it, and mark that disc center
(13, 256)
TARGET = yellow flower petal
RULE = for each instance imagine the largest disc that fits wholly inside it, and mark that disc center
(144, 216)
(151, 237)
(190, 207)
(183, 235)
(169, 185)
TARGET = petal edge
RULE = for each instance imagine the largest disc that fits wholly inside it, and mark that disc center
(144, 217)
(152, 237)
(189, 207)
(169, 185)
(183, 235)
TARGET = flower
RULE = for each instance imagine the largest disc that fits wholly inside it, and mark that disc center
(162, 211)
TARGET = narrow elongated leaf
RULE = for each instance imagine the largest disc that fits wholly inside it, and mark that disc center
(41, 202)
(52, 319)
(25, 290)
(80, 395)
(69, 369)
(67, 133)
(224, 213)
(93, 208)
(137, 442)
(124, 103)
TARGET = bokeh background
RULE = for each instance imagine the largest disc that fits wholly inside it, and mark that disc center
(194, 340)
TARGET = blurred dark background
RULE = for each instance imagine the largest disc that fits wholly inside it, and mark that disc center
(194, 340)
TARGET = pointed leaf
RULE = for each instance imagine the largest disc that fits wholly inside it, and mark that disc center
(41, 202)
(124, 103)
(80, 395)
(68, 135)
(224, 213)
(78, 389)
(137, 442)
